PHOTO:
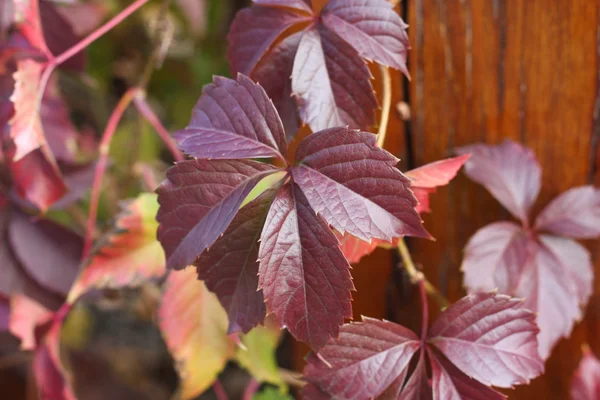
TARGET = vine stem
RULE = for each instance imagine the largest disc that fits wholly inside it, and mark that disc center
(386, 105)
(220, 390)
(144, 108)
(107, 136)
(251, 388)
(417, 276)
(425, 311)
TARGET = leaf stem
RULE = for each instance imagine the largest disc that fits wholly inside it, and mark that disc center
(385, 107)
(425, 311)
(219, 390)
(417, 276)
(83, 43)
(144, 109)
(251, 388)
(107, 136)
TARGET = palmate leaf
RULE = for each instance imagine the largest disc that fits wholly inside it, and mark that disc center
(552, 272)
(484, 339)
(586, 380)
(324, 56)
(303, 274)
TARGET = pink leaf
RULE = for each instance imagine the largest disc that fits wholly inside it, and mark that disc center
(230, 268)
(363, 361)
(303, 274)
(586, 380)
(417, 386)
(25, 315)
(509, 171)
(375, 188)
(233, 119)
(436, 174)
(301, 5)
(198, 201)
(355, 249)
(575, 213)
(491, 338)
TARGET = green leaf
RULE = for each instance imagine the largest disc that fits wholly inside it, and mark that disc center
(259, 356)
(271, 393)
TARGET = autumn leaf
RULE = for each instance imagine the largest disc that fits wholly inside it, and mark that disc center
(537, 260)
(337, 174)
(324, 55)
(482, 340)
(131, 253)
(586, 380)
(25, 315)
(194, 326)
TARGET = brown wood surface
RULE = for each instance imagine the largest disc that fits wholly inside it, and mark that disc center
(483, 71)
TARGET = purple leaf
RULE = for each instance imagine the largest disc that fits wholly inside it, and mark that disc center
(491, 338)
(586, 380)
(48, 252)
(575, 213)
(417, 386)
(59, 35)
(549, 283)
(230, 268)
(198, 200)
(363, 361)
(254, 30)
(372, 27)
(509, 171)
(303, 273)
(344, 175)
(449, 383)
(279, 64)
(494, 258)
(331, 83)
(233, 119)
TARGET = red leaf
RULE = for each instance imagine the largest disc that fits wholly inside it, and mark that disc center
(586, 380)
(25, 315)
(230, 268)
(331, 83)
(509, 171)
(491, 338)
(131, 255)
(233, 119)
(450, 383)
(436, 174)
(198, 201)
(372, 27)
(329, 76)
(363, 361)
(27, 16)
(59, 35)
(575, 213)
(355, 249)
(303, 274)
(48, 252)
(375, 188)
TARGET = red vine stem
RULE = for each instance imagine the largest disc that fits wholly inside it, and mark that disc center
(251, 388)
(219, 390)
(144, 108)
(107, 136)
(425, 311)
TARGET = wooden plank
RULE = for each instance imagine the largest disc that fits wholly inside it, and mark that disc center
(485, 70)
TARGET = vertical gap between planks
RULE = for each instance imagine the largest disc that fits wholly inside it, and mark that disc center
(593, 156)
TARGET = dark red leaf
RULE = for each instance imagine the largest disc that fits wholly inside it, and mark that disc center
(586, 380)
(417, 387)
(374, 187)
(279, 64)
(509, 171)
(491, 338)
(372, 27)
(48, 252)
(230, 268)
(303, 274)
(329, 76)
(198, 200)
(233, 119)
(363, 361)
(575, 213)
(450, 383)
(4, 311)
(27, 17)
(59, 35)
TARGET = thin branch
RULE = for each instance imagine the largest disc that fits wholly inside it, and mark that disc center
(144, 108)
(385, 107)
(251, 389)
(82, 44)
(219, 390)
(416, 275)
(107, 136)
